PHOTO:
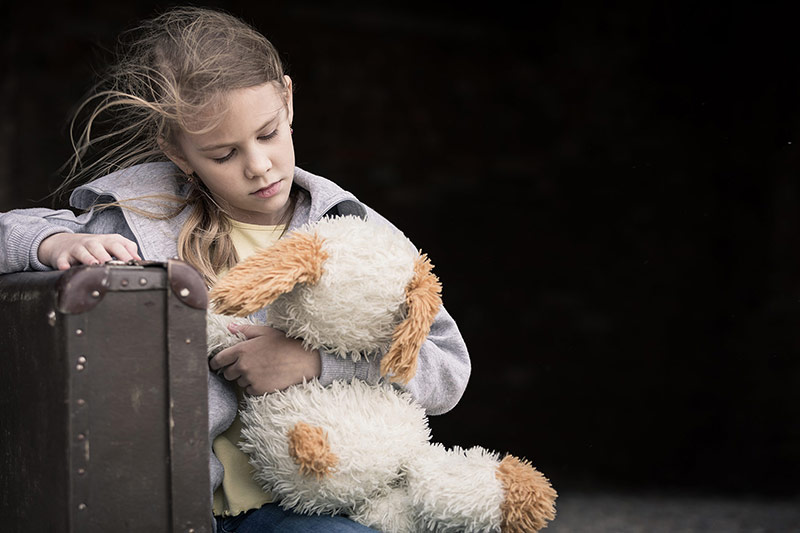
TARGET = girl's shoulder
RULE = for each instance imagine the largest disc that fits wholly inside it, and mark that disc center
(146, 180)
(323, 197)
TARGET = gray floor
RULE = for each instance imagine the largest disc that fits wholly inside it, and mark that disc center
(595, 512)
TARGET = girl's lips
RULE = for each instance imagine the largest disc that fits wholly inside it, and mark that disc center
(268, 191)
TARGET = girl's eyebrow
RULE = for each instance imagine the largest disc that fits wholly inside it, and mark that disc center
(226, 144)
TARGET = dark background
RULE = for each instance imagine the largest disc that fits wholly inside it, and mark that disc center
(609, 192)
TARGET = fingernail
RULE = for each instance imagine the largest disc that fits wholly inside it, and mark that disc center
(233, 327)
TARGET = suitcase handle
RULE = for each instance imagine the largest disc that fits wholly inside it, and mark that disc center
(82, 287)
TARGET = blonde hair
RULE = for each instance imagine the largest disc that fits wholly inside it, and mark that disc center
(169, 70)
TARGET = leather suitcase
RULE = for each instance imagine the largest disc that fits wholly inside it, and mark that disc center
(103, 399)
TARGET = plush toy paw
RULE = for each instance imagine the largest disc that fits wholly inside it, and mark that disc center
(475, 491)
(529, 501)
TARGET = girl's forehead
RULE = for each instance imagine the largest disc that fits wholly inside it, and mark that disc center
(239, 108)
(253, 102)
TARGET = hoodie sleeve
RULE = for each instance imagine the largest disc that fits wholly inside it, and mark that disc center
(443, 367)
(23, 230)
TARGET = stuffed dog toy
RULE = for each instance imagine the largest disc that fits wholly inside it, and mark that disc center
(356, 289)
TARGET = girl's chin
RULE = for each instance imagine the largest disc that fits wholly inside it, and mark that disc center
(262, 215)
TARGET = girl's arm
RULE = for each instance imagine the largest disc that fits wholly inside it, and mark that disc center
(23, 231)
(268, 361)
(443, 367)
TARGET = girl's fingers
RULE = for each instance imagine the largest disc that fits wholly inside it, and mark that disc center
(83, 256)
(121, 251)
(231, 373)
(132, 249)
(98, 251)
(63, 250)
(226, 357)
(63, 263)
(249, 330)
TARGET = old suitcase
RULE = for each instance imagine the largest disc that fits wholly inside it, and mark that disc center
(103, 399)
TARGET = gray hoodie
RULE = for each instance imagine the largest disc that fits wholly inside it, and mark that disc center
(444, 365)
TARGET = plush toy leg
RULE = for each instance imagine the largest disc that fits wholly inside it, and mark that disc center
(292, 436)
(474, 491)
(388, 513)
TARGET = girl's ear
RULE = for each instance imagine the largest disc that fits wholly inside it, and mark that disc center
(174, 155)
(289, 102)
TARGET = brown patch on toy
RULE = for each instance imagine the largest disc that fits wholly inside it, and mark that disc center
(309, 447)
(261, 278)
(529, 499)
(423, 299)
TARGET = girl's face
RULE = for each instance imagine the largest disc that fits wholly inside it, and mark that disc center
(247, 161)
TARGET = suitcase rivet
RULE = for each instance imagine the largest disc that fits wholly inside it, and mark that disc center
(79, 368)
(81, 402)
(188, 341)
(81, 436)
(142, 281)
(95, 294)
(51, 318)
(82, 360)
(78, 332)
(81, 471)
(81, 506)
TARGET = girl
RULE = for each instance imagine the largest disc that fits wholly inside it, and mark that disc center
(200, 164)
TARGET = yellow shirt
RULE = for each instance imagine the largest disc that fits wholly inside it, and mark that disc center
(239, 492)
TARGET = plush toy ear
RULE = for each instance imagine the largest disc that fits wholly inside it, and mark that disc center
(423, 299)
(261, 278)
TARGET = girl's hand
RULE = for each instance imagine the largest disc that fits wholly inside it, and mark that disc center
(62, 250)
(267, 361)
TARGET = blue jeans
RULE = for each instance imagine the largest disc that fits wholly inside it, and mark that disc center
(271, 517)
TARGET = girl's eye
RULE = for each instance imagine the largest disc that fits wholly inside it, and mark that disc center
(224, 158)
(268, 136)
(230, 154)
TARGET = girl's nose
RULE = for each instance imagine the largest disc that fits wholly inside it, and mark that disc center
(258, 164)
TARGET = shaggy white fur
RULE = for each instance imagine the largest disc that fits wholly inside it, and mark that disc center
(388, 513)
(354, 308)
